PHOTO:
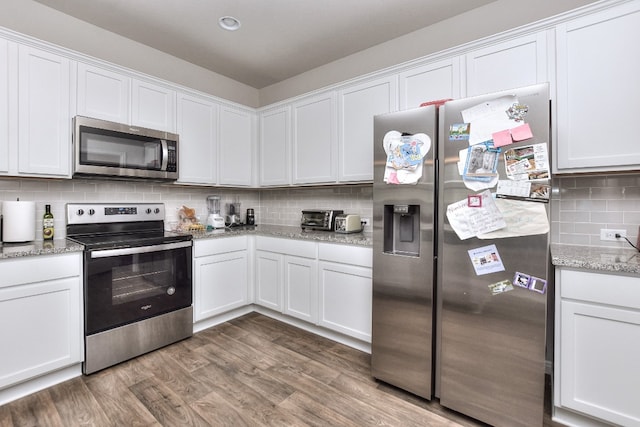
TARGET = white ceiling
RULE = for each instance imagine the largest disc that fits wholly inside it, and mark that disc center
(278, 39)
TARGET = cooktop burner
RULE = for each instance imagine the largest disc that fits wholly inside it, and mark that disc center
(120, 240)
(111, 225)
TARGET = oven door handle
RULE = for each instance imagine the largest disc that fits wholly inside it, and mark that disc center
(138, 250)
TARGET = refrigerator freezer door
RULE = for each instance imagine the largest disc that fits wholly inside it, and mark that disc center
(403, 235)
(491, 347)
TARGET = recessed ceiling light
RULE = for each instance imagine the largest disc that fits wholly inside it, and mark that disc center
(229, 23)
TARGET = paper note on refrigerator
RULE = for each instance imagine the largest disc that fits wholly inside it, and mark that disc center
(469, 221)
(521, 218)
(486, 260)
(489, 117)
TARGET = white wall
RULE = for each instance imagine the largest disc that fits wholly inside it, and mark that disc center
(39, 21)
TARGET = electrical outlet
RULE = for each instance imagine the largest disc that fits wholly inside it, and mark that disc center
(365, 222)
(610, 234)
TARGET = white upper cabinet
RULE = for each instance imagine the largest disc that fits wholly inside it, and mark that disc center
(507, 65)
(315, 139)
(153, 106)
(275, 140)
(116, 97)
(197, 128)
(44, 113)
(357, 107)
(103, 94)
(431, 82)
(236, 142)
(4, 106)
(597, 89)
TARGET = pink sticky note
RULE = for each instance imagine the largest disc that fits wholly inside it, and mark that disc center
(501, 138)
(521, 132)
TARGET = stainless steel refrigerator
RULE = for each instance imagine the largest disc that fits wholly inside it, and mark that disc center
(461, 261)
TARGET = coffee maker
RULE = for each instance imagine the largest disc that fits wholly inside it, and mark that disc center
(214, 220)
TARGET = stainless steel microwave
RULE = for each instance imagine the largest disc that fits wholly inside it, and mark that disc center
(108, 149)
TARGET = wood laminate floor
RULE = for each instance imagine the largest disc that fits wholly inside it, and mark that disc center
(250, 371)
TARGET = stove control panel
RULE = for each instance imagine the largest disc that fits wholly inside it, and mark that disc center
(94, 213)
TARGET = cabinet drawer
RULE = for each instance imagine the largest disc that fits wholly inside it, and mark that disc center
(346, 254)
(287, 246)
(38, 269)
(220, 245)
(613, 289)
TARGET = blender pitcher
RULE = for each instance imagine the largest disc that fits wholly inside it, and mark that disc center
(214, 220)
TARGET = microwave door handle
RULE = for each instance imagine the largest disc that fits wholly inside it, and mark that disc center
(138, 250)
(165, 154)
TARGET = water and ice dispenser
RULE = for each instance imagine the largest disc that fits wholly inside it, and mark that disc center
(402, 230)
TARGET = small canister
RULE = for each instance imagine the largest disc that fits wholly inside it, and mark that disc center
(251, 219)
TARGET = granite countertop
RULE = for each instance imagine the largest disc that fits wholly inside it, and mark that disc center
(59, 246)
(38, 247)
(596, 258)
(289, 232)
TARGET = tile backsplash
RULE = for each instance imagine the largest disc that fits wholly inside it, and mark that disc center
(272, 206)
(581, 205)
(584, 205)
(58, 193)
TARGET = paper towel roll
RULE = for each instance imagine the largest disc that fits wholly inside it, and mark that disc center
(19, 221)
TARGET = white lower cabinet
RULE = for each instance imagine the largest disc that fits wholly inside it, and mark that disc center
(268, 280)
(286, 277)
(301, 288)
(41, 316)
(345, 289)
(324, 284)
(597, 348)
(220, 276)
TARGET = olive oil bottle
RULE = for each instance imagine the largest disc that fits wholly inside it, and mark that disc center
(47, 223)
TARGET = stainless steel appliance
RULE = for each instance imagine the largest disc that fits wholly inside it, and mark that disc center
(233, 214)
(348, 223)
(482, 291)
(403, 262)
(137, 280)
(319, 219)
(103, 148)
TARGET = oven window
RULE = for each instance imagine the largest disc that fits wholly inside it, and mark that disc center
(127, 288)
(142, 279)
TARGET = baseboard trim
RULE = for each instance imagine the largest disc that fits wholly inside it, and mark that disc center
(34, 385)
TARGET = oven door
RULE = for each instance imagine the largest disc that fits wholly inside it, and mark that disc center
(130, 284)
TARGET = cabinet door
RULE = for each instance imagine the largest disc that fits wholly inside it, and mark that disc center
(275, 139)
(197, 127)
(41, 330)
(507, 65)
(236, 146)
(600, 349)
(315, 141)
(345, 299)
(301, 288)
(220, 284)
(103, 94)
(358, 106)
(44, 116)
(5, 104)
(269, 282)
(153, 106)
(431, 82)
(597, 86)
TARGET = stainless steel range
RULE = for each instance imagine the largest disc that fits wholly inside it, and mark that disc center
(137, 280)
